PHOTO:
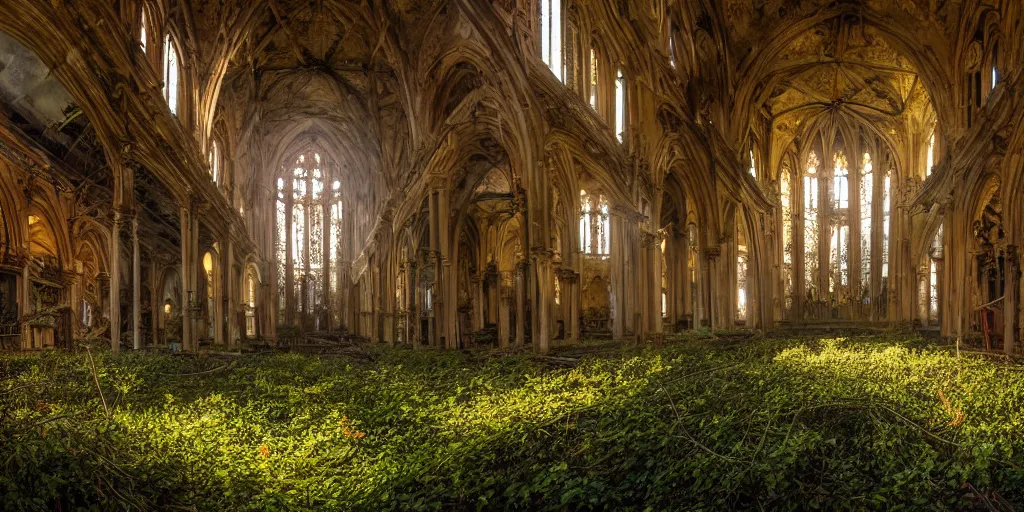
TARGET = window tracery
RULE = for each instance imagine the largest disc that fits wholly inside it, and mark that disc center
(786, 193)
(595, 225)
(250, 306)
(810, 205)
(866, 202)
(839, 248)
(309, 227)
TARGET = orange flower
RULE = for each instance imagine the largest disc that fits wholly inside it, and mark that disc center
(264, 451)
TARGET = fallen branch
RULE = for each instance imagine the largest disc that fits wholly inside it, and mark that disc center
(679, 422)
(96, 379)
(204, 372)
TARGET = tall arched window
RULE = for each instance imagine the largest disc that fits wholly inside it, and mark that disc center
(693, 266)
(208, 268)
(594, 79)
(753, 165)
(786, 193)
(934, 261)
(308, 220)
(741, 276)
(840, 227)
(171, 70)
(300, 226)
(673, 58)
(811, 235)
(142, 31)
(886, 211)
(214, 157)
(551, 35)
(595, 225)
(620, 106)
(250, 305)
(336, 219)
(866, 202)
(841, 279)
(282, 242)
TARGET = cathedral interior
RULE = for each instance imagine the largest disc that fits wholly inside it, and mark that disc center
(184, 174)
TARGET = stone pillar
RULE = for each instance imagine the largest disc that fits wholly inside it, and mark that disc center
(327, 298)
(1011, 302)
(504, 308)
(156, 308)
(26, 300)
(520, 291)
(136, 286)
(230, 297)
(186, 285)
(708, 286)
(545, 298)
(115, 282)
(569, 281)
(478, 301)
(435, 260)
(493, 294)
(618, 261)
(194, 263)
(289, 268)
(657, 324)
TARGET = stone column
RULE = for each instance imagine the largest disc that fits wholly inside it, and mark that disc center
(545, 295)
(520, 291)
(115, 282)
(228, 295)
(186, 285)
(136, 286)
(289, 269)
(156, 308)
(327, 298)
(616, 277)
(708, 287)
(1011, 302)
(507, 290)
(657, 322)
(194, 263)
(26, 300)
(435, 260)
(478, 301)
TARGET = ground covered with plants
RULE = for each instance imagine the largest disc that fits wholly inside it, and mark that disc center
(861, 422)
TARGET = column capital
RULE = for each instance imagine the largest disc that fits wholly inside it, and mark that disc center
(713, 253)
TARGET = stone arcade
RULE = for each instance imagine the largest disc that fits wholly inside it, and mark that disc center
(448, 173)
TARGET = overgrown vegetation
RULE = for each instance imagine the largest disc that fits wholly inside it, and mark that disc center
(849, 423)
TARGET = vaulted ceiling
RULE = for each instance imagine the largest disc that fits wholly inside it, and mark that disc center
(841, 68)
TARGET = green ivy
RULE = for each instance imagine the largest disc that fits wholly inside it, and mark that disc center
(700, 423)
